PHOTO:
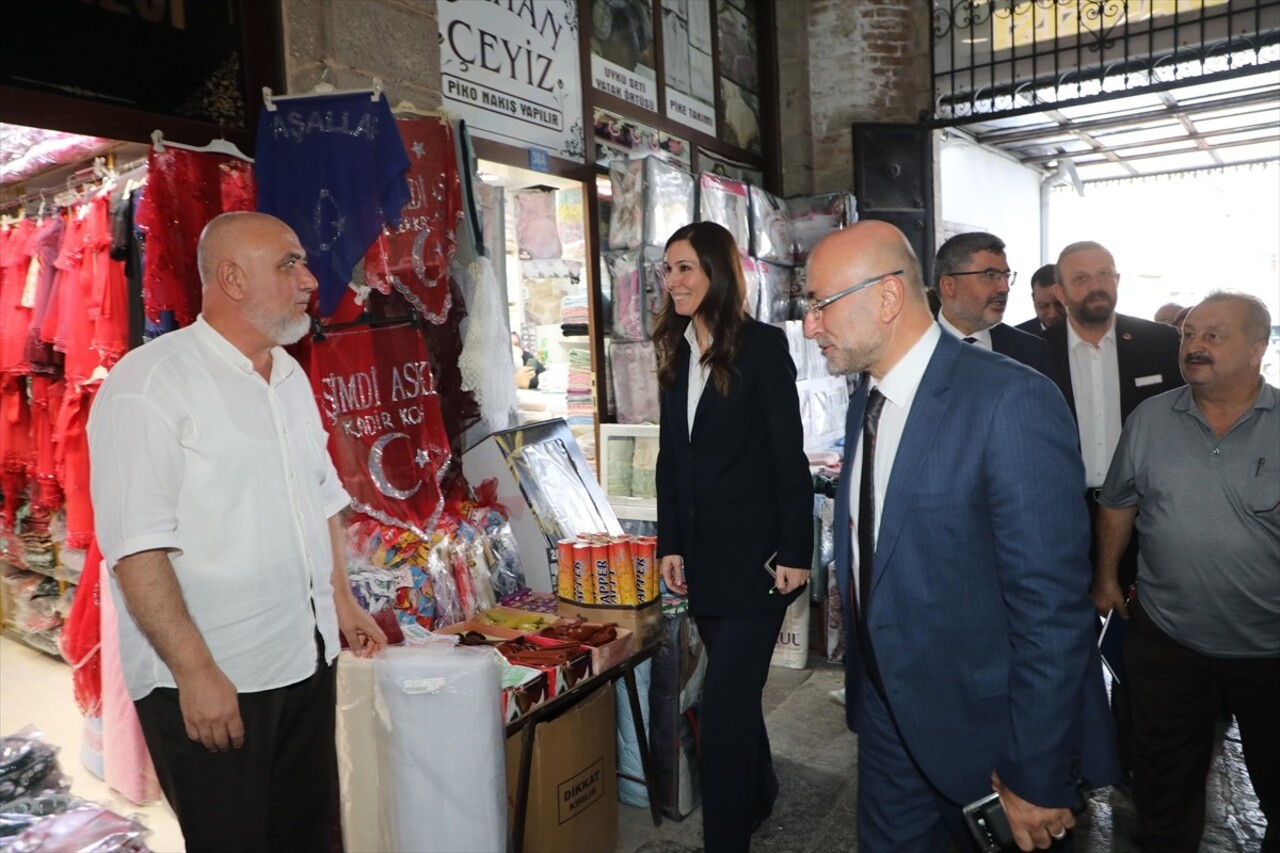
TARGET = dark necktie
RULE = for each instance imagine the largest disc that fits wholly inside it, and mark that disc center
(970, 340)
(867, 529)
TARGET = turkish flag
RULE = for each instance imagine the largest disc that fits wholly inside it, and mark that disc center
(386, 434)
(413, 257)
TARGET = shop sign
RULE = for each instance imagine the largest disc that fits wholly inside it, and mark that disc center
(511, 68)
(691, 112)
(387, 437)
(617, 81)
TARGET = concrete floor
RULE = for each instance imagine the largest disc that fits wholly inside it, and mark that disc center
(815, 756)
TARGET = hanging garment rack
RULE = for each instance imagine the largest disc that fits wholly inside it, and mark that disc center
(319, 330)
(214, 146)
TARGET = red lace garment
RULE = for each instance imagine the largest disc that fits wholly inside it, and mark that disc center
(414, 257)
(15, 317)
(185, 189)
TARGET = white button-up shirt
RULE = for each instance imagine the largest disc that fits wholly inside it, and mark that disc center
(1095, 383)
(899, 388)
(698, 373)
(194, 453)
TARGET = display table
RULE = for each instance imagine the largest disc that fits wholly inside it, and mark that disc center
(527, 727)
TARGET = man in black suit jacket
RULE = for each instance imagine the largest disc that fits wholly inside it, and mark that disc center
(972, 279)
(1105, 364)
(1049, 311)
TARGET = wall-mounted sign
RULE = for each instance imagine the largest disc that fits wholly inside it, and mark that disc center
(622, 51)
(512, 71)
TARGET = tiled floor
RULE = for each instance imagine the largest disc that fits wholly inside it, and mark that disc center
(35, 689)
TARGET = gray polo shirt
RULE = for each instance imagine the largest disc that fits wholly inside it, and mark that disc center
(1208, 521)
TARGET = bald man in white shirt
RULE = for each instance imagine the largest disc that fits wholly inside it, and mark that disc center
(218, 512)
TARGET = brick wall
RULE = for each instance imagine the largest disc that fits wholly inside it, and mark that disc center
(867, 60)
(394, 40)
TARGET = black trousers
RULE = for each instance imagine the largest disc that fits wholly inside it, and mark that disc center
(1127, 575)
(739, 785)
(1175, 696)
(271, 794)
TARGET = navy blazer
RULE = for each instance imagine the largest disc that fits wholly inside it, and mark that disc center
(1021, 346)
(738, 490)
(1031, 327)
(1146, 352)
(980, 615)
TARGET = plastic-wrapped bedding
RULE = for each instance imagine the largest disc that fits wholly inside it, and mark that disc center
(440, 750)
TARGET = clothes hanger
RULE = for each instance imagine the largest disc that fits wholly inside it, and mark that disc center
(214, 146)
(270, 99)
(406, 107)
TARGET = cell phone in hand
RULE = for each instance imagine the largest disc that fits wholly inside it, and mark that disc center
(771, 565)
(989, 824)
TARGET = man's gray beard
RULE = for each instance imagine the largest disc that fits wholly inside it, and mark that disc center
(292, 331)
(282, 332)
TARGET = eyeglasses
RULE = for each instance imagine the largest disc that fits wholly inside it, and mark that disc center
(991, 275)
(813, 310)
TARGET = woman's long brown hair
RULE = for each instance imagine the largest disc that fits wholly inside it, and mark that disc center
(721, 309)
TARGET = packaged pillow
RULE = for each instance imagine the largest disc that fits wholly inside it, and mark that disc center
(724, 201)
(771, 238)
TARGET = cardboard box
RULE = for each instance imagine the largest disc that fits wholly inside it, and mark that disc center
(644, 622)
(573, 786)
(523, 689)
(602, 657)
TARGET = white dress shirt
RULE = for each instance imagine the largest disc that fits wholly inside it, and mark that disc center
(698, 373)
(1095, 382)
(194, 453)
(899, 388)
(981, 338)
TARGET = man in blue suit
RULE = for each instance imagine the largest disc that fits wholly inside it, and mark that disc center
(972, 663)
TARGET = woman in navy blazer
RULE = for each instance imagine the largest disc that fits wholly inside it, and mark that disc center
(735, 501)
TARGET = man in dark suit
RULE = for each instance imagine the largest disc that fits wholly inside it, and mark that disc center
(1049, 311)
(1105, 365)
(972, 281)
(973, 664)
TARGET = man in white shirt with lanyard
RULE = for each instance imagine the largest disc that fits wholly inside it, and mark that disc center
(218, 512)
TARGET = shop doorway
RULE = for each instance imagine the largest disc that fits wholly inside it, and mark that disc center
(540, 251)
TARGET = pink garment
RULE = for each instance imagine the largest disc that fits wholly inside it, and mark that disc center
(124, 751)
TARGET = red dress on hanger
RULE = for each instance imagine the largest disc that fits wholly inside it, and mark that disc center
(185, 189)
(15, 414)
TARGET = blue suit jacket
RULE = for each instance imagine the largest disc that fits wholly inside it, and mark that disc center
(980, 614)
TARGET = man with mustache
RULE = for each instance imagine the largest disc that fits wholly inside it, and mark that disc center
(972, 280)
(1105, 364)
(1198, 469)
